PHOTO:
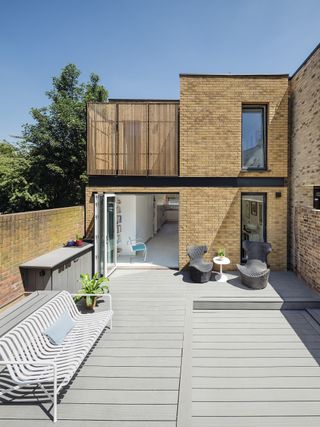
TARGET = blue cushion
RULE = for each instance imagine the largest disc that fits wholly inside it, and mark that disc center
(138, 247)
(60, 329)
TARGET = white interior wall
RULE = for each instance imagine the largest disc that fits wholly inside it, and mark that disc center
(128, 226)
(144, 216)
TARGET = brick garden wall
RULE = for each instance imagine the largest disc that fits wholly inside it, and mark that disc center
(307, 238)
(305, 167)
(211, 216)
(26, 235)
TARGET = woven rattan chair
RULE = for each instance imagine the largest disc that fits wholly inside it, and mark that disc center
(200, 270)
(255, 273)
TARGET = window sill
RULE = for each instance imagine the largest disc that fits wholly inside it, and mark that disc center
(256, 170)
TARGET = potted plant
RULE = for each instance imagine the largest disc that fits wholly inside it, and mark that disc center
(79, 240)
(221, 253)
(91, 289)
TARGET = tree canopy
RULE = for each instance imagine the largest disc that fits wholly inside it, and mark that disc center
(48, 168)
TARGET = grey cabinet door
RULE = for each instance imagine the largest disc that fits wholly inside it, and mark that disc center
(36, 280)
(60, 278)
(74, 276)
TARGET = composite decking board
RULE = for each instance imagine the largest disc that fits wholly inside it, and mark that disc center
(24, 309)
(223, 362)
(255, 395)
(279, 382)
(133, 361)
(255, 371)
(143, 304)
(125, 383)
(133, 352)
(144, 344)
(255, 345)
(247, 409)
(254, 421)
(99, 412)
(84, 423)
(255, 353)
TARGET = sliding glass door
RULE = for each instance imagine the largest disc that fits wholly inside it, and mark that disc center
(253, 218)
(104, 233)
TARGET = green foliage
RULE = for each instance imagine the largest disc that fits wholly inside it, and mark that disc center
(17, 192)
(56, 141)
(221, 253)
(94, 285)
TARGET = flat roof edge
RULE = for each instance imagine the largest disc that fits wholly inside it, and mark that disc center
(253, 76)
(305, 61)
(142, 100)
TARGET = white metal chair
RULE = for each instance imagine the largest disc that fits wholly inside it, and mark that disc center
(30, 357)
(136, 246)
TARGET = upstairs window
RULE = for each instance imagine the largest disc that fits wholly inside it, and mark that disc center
(316, 197)
(254, 137)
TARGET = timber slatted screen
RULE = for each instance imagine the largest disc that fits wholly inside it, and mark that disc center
(102, 139)
(163, 139)
(133, 139)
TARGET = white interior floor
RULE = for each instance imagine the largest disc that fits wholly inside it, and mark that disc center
(162, 250)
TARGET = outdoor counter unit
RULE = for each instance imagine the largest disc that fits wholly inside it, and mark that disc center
(58, 270)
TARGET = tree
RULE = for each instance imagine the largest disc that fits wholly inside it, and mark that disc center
(16, 192)
(56, 142)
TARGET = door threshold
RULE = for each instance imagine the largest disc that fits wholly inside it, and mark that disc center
(144, 266)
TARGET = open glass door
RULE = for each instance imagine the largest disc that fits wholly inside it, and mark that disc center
(105, 242)
(253, 219)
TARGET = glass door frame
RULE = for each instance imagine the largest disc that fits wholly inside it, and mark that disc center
(105, 209)
(264, 216)
(98, 199)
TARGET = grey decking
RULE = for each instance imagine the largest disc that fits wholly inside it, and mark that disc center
(151, 369)
(253, 368)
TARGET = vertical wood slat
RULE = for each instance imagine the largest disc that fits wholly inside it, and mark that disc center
(101, 139)
(163, 141)
(132, 139)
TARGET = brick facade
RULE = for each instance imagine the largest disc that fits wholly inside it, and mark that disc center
(307, 248)
(26, 235)
(210, 123)
(211, 216)
(210, 146)
(305, 169)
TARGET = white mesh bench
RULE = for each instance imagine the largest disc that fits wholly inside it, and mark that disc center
(31, 359)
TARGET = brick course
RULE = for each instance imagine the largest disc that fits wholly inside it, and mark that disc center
(26, 235)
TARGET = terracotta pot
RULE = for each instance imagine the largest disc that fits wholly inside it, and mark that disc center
(79, 242)
(93, 305)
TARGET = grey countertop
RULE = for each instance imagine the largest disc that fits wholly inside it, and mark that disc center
(56, 257)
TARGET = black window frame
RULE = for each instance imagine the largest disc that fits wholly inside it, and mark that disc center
(316, 189)
(264, 108)
(264, 213)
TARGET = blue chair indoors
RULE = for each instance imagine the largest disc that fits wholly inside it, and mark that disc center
(137, 246)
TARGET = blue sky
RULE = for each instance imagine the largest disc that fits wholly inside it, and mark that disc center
(139, 47)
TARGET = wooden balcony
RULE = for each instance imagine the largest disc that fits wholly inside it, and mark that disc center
(133, 138)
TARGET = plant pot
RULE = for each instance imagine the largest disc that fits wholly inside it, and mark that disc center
(79, 242)
(93, 305)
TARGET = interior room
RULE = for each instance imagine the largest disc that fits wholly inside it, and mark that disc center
(147, 229)
(253, 218)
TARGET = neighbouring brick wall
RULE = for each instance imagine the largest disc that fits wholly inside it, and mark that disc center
(307, 237)
(211, 216)
(304, 164)
(210, 123)
(26, 235)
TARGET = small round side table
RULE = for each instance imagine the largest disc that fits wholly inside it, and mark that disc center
(221, 261)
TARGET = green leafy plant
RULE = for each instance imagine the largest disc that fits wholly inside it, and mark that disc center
(221, 253)
(94, 285)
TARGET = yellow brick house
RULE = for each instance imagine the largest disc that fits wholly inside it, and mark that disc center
(210, 168)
